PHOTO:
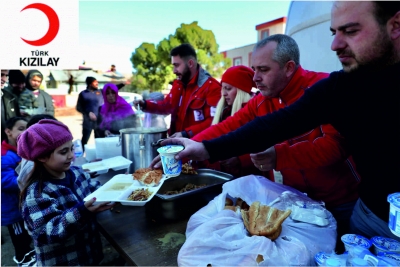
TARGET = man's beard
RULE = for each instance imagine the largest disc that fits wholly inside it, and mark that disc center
(384, 54)
(185, 75)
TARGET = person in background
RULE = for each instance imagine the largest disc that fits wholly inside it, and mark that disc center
(367, 43)
(26, 99)
(193, 97)
(62, 225)
(88, 104)
(10, 213)
(114, 71)
(237, 83)
(113, 112)
(316, 162)
(33, 81)
(9, 104)
(71, 83)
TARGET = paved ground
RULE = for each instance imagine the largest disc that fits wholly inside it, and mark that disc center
(74, 124)
(111, 257)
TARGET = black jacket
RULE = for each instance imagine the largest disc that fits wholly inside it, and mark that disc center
(364, 106)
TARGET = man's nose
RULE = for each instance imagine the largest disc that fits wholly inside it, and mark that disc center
(338, 43)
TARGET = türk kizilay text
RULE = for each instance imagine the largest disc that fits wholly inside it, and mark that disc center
(39, 59)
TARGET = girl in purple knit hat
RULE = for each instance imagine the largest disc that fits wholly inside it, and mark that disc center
(62, 226)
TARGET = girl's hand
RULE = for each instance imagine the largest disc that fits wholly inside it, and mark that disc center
(98, 207)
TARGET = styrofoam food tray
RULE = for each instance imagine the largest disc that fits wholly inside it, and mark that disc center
(118, 188)
(116, 163)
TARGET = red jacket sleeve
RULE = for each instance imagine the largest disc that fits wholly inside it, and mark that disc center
(322, 151)
(212, 97)
(166, 106)
(241, 117)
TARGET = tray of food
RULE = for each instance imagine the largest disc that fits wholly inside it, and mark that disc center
(123, 188)
(116, 163)
(191, 183)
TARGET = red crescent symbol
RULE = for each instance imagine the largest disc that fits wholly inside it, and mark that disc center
(54, 24)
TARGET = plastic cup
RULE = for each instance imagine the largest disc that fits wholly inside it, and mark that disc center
(352, 240)
(394, 214)
(384, 244)
(171, 166)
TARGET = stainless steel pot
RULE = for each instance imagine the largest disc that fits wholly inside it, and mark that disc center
(136, 145)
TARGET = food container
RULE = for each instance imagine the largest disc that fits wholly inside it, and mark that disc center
(118, 188)
(383, 244)
(90, 152)
(320, 258)
(107, 147)
(332, 259)
(183, 205)
(350, 240)
(115, 163)
(171, 166)
(391, 258)
(394, 214)
(135, 144)
(99, 166)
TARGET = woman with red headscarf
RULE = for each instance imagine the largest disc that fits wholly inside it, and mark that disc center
(113, 112)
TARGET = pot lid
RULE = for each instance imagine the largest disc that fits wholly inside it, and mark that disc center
(143, 130)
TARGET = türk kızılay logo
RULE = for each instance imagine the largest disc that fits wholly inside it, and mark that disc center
(41, 58)
(40, 34)
(54, 24)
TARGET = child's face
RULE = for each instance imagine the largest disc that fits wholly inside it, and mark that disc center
(60, 160)
(12, 134)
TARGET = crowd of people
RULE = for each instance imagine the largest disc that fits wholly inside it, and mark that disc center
(323, 132)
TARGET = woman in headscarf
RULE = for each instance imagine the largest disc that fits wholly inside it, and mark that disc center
(33, 81)
(113, 112)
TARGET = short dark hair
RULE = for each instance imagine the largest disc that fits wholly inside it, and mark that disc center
(10, 123)
(184, 51)
(36, 118)
(384, 10)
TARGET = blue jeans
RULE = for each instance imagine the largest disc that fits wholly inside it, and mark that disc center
(364, 222)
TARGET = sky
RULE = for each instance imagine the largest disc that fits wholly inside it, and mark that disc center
(109, 31)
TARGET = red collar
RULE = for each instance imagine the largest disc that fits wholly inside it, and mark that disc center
(291, 92)
(192, 81)
(6, 147)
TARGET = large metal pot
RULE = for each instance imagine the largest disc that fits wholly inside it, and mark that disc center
(136, 145)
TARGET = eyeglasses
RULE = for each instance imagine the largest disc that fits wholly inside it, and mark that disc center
(4, 75)
(110, 93)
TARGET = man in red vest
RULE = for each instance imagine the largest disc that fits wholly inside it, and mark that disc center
(193, 97)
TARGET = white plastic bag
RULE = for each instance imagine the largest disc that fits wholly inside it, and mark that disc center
(218, 237)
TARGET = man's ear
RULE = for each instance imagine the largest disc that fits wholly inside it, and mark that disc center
(290, 68)
(394, 26)
(190, 63)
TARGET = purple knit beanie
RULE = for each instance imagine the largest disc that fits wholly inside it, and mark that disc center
(42, 138)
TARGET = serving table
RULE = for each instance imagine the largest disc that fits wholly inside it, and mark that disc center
(140, 236)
